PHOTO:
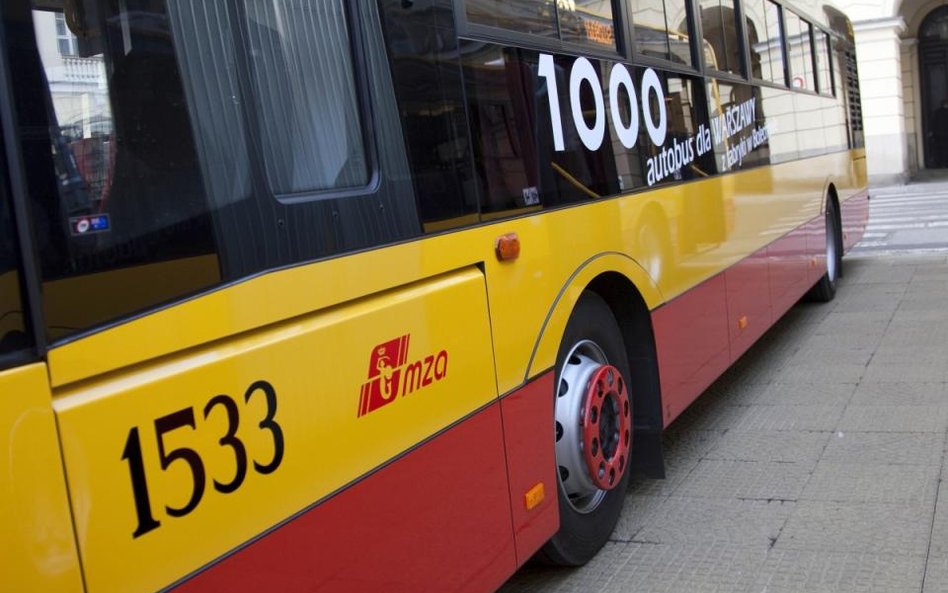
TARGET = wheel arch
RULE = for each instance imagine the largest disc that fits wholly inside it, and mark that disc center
(630, 294)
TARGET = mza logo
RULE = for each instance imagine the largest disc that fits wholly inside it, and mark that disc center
(391, 375)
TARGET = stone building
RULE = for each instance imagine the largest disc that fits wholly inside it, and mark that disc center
(902, 48)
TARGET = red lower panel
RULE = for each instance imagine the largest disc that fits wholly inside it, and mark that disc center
(437, 519)
(748, 301)
(789, 274)
(531, 460)
(692, 341)
(855, 217)
(700, 333)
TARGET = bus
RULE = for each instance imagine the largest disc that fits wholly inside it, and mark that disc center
(361, 295)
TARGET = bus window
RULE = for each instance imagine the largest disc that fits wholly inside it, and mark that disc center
(525, 16)
(800, 52)
(766, 43)
(719, 28)
(588, 22)
(423, 49)
(661, 30)
(172, 146)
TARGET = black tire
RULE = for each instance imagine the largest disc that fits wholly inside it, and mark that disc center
(825, 289)
(583, 531)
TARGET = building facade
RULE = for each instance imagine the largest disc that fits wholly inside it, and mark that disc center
(902, 47)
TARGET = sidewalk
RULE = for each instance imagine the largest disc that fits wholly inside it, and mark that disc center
(815, 464)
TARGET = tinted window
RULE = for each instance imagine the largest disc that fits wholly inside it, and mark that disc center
(719, 27)
(800, 51)
(661, 29)
(422, 44)
(537, 17)
(766, 43)
(156, 155)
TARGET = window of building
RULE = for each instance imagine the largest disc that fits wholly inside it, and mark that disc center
(762, 18)
(719, 27)
(65, 40)
(660, 30)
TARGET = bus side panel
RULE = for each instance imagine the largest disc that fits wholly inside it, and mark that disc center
(37, 548)
(855, 217)
(531, 460)
(748, 302)
(789, 277)
(425, 522)
(233, 438)
(759, 290)
(692, 341)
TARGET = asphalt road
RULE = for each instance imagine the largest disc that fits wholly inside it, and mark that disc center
(816, 463)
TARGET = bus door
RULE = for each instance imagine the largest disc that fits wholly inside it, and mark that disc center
(260, 380)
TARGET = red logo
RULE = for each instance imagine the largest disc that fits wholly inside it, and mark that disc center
(391, 376)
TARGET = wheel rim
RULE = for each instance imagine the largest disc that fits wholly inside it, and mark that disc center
(593, 426)
(832, 255)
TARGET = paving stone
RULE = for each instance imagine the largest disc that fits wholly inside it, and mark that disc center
(890, 529)
(936, 575)
(885, 448)
(902, 394)
(683, 449)
(808, 571)
(845, 482)
(638, 511)
(716, 522)
(889, 354)
(828, 371)
(906, 371)
(837, 352)
(692, 569)
(759, 418)
(804, 448)
(894, 419)
(939, 526)
(745, 479)
(871, 274)
(594, 576)
(800, 394)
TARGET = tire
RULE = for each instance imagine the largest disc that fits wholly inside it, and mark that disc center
(592, 359)
(824, 290)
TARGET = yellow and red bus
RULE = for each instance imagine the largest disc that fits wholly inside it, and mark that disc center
(361, 295)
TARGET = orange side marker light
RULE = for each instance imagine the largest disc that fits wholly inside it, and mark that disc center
(742, 322)
(507, 247)
(534, 497)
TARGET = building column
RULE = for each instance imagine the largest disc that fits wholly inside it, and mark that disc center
(879, 54)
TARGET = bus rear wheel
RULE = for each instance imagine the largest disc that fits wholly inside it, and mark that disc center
(593, 432)
(825, 289)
